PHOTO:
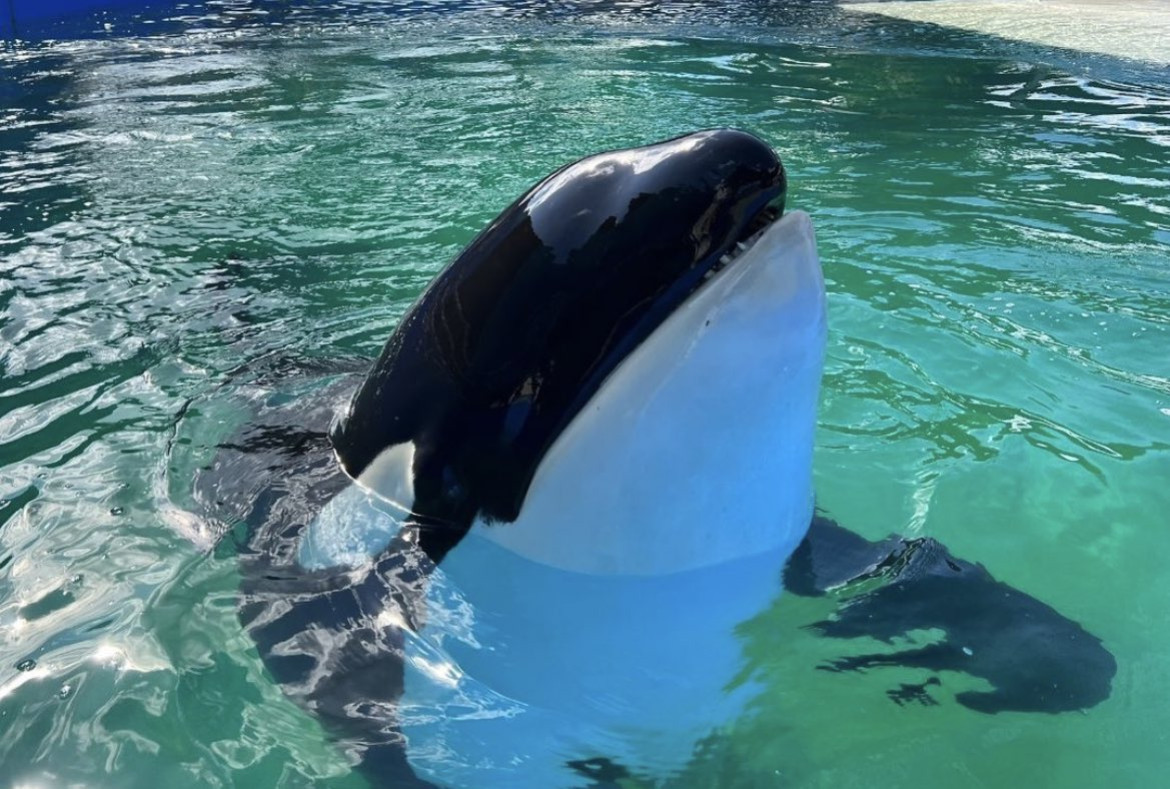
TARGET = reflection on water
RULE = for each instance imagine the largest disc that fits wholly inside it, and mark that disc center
(182, 210)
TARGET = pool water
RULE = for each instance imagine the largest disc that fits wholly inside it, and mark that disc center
(994, 224)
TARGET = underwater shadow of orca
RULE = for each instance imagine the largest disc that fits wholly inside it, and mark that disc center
(1036, 659)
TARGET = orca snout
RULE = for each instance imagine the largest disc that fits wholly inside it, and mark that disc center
(774, 292)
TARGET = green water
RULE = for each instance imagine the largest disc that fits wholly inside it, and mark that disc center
(994, 226)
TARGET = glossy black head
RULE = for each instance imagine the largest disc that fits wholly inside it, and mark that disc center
(518, 332)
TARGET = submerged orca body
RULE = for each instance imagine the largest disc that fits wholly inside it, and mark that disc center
(1035, 659)
(583, 459)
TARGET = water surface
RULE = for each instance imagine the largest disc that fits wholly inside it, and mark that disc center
(994, 225)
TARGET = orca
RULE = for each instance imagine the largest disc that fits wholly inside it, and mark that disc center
(520, 554)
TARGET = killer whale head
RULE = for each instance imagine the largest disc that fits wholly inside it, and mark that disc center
(618, 255)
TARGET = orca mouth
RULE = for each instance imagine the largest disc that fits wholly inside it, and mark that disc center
(753, 230)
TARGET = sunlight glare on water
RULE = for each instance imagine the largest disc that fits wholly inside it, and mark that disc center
(994, 225)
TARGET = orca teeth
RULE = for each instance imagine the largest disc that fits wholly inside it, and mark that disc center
(723, 263)
(756, 228)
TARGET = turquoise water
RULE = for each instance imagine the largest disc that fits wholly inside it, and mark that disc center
(993, 220)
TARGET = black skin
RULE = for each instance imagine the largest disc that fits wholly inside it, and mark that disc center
(1036, 659)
